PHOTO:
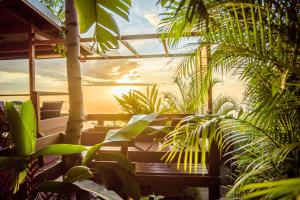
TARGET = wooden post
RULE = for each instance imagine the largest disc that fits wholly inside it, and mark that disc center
(34, 96)
(214, 154)
(31, 59)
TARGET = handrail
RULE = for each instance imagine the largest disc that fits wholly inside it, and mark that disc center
(125, 117)
(41, 93)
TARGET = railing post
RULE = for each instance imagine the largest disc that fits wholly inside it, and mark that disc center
(36, 103)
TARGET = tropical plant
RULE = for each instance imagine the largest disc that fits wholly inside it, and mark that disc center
(22, 126)
(86, 15)
(188, 102)
(135, 102)
(259, 41)
(118, 177)
(190, 135)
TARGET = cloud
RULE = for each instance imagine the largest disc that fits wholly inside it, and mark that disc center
(152, 17)
(110, 70)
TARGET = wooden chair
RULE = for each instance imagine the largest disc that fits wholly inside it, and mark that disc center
(51, 109)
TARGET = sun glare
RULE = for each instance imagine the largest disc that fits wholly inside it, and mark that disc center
(120, 90)
(125, 79)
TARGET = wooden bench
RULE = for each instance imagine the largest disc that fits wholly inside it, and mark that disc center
(152, 173)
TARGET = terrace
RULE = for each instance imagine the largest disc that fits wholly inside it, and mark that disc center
(29, 30)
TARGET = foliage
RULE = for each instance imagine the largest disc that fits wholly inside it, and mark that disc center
(259, 42)
(4, 129)
(118, 177)
(186, 103)
(189, 138)
(92, 12)
(98, 16)
(136, 102)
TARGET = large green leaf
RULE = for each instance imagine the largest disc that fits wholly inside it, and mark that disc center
(119, 7)
(128, 186)
(87, 185)
(19, 134)
(136, 125)
(60, 149)
(90, 153)
(97, 12)
(78, 173)
(120, 158)
(97, 189)
(86, 10)
(28, 118)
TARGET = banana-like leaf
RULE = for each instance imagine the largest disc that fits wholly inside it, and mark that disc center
(87, 185)
(78, 173)
(97, 189)
(98, 12)
(22, 127)
(90, 153)
(126, 182)
(136, 125)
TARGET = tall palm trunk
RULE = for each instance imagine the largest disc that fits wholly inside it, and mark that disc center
(76, 114)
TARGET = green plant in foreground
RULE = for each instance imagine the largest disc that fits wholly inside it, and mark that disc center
(23, 131)
(259, 42)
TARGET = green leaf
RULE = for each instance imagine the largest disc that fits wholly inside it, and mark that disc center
(86, 10)
(20, 136)
(60, 149)
(105, 19)
(28, 118)
(128, 182)
(119, 7)
(120, 158)
(90, 153)
(78, 173)
(136, 125)
(97, 189)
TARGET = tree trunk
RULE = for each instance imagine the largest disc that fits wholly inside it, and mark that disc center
(76, 114)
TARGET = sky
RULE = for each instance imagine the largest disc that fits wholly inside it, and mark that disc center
(51, 73)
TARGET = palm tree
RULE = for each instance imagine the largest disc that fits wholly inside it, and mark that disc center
(80, 16)
(259, 42)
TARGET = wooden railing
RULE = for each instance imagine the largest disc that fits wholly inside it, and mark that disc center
(48, 126)
(152, 174)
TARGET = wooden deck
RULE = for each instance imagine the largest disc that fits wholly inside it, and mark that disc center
(152, 174)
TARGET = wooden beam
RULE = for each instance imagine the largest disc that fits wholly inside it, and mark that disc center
(165, 47)
(132, 57)
(130, 48)
(122, 37)
(21, 47)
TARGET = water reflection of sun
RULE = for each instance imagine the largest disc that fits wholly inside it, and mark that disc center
(120, 90)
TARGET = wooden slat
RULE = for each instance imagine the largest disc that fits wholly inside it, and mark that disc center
(126, 117)
(48, 140)
(161, 169)
(122, 37)
(53, 125)
(132, 57)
